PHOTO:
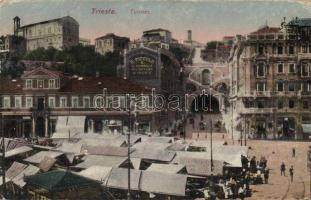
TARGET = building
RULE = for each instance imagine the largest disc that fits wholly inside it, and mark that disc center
(60, 33)
(270, 81)
(84, 41)
(218, 51)
(41, 101)
(11, 45)
(111, 43)
(157, 35)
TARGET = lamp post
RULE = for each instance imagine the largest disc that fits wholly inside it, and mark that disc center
(129, 157)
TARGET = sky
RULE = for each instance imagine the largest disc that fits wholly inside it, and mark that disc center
(208, 19)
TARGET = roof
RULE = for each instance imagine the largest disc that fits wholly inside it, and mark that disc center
(70, 147)
(97, 84)
(106, 161)
(38, 157)
(10, 86)
(267, 29)
(300, 22)
(111, 35)
(105, 150)
(15, 169)
(17, 151)
(98, 173)
(59, 180)
(29, 170)
(118, 179)
(166, 168)
(153, 154)
(163, 183)
(153, 30)
(47, 21)
(47, 163)
(161, 139)
(201, 166)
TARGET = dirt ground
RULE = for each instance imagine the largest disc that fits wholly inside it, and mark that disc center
(276, 152)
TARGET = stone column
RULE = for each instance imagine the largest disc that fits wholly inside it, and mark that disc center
(46, 127)
(33, 127)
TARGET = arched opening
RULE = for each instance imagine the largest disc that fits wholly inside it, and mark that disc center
(203, 103)
(206, 77)
(40, 129)
(190, 87)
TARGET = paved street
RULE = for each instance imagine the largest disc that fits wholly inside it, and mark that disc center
(276, 152)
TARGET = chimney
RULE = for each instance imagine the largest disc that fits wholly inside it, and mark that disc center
(189, 35)
(17, 24)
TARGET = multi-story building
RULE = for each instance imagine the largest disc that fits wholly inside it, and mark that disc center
(157, 35)
(111, 43)
(12, 45)
(37, 104)
(60, 33)
(270, 81)
(84, 41)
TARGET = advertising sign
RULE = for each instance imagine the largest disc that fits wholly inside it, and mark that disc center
(142, 66)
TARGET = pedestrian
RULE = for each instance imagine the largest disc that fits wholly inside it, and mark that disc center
(283, 168)
(266, 176)
(291, 173)
(294, 152)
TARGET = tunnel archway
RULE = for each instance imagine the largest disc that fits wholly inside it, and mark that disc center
(202, 104)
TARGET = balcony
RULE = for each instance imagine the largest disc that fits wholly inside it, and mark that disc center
(302, 56)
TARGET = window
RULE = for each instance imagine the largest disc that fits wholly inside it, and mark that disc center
(305, 69)
(260, 104)
(51, 102)
(305, 105)
(280, 67)
(52, 83)
(280, 49)
(291, 68)
(305, 87)
(6, 102)
(304, 49)
(280, 86)
(260, 50)
(63, 102)
(40, 83)
(86, 102)
(291, 87)
(280, 104)
(18, 101)
(29, 102)
(261, 69)
(291, 103)
(74, 102)
(261, 86)
(291, 50)
(28, 83)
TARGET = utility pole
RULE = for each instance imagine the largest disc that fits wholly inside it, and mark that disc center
(129, 156)
(3, 157)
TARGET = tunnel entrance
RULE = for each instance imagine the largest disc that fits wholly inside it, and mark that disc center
(202, 104)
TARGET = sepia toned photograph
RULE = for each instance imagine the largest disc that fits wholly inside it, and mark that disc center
(155, 99)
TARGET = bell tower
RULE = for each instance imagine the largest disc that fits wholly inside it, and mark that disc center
(17, 24)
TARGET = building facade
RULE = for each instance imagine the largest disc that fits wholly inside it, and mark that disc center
(35, 104)
(111, 43)
(270, 83)
(60, 33)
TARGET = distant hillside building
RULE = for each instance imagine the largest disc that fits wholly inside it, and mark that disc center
(84, 41)
(11, 45)
(160, 35)
(60, 33)
(110, 43)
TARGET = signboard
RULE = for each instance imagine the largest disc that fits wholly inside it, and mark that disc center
(142, 66)
(309, 160)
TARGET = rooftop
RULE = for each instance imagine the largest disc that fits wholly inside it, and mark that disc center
(300, 22)
(266, 29)
(112, 35)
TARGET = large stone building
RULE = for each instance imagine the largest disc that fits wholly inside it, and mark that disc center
(60, 33)
(43, 101)
(111, 43)
(270, 82)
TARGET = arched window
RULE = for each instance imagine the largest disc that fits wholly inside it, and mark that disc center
(206, 76)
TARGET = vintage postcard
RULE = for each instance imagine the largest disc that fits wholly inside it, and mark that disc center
(155, 99)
